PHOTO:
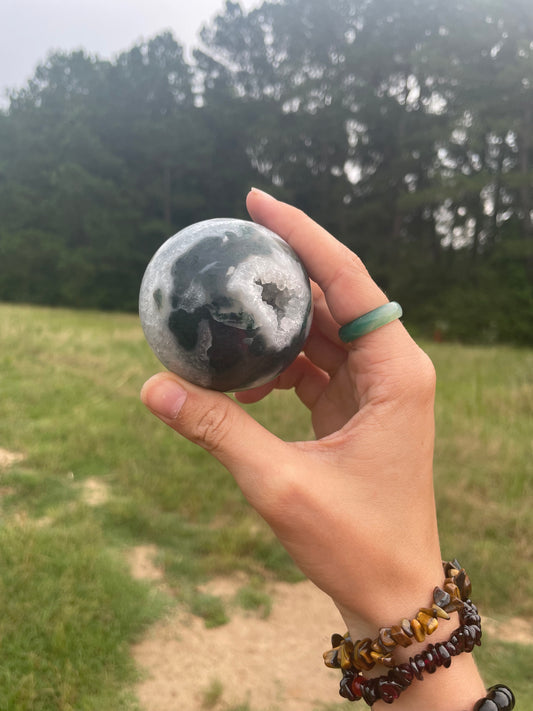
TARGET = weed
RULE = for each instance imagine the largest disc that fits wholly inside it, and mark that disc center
(212, 694)
(210, 607)
(254, 597)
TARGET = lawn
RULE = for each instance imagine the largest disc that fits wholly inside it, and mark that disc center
(69, 384)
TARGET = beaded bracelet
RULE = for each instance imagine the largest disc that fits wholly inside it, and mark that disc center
(354, 686)
(363, 654)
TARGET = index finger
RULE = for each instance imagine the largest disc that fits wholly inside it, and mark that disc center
(349, 289)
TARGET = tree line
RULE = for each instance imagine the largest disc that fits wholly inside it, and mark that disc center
(405, 128)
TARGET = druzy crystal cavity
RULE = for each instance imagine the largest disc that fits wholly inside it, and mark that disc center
(226, 304)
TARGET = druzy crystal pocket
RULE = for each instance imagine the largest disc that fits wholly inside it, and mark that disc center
(226, 304)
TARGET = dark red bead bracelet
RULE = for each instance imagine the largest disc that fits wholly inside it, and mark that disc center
(387, 688)
(355, 657)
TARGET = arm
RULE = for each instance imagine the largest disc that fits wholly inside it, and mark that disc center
(355, 507)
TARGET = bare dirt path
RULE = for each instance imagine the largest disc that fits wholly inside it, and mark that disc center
(251, 664)
(270, 664)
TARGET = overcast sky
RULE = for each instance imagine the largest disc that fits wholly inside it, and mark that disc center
(29, 29)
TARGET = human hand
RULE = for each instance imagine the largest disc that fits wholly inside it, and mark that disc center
(354, 508)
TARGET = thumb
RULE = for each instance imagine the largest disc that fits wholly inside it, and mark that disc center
(218, 424)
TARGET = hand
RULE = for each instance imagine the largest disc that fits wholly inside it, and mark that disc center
(359, 499)
(354, 508)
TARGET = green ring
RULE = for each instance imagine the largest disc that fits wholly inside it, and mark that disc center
(370, 322)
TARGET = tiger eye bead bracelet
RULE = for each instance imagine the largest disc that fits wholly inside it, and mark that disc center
(364, 654)
(355, 686)
(355, 657)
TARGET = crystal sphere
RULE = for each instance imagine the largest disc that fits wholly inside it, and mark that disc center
(226, 304)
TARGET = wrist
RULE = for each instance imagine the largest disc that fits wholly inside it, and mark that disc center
(386, 604)
(382, 668)
(454, 689)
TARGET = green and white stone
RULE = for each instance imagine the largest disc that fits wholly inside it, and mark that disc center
(226, 304)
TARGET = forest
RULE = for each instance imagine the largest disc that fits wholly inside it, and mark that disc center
(405, 127)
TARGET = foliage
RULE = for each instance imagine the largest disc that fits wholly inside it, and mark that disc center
(405, 128)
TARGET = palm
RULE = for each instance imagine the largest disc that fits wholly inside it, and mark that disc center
(337, 404)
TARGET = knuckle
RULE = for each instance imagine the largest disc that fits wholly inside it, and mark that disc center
(285, 501)
(213, 426)
(351, 266)
(411, 379)
(355, 263)
(290, 497)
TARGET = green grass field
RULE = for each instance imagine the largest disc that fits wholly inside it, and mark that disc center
(69, 384)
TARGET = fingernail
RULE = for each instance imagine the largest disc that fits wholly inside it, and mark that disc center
(262, 192)
(164, 397)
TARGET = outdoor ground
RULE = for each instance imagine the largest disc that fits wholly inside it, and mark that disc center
(272, 663)
(134, 577)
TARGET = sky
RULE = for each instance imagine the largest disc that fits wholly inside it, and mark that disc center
(30, 29)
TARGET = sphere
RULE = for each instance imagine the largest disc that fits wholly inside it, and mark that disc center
(226, 304)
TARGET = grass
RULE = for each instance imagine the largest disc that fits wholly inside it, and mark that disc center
(212, 694)
(69, 384)
(68, 607)
(484, 470)
(254, 597)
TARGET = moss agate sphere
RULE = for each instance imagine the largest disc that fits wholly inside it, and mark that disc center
(226, 304)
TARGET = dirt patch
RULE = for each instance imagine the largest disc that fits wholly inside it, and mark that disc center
(8, 458)
(273, 664)
(513, 629)
(142, 564)
(95, 492)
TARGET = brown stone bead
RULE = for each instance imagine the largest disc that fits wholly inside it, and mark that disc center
(364, 650)
(385, 637)
(331, 658)
(377, 656)
(441, 597)
(383, 656)
(406, 627)
(399, 635)
(452, 589)
(451, 565)
(429, 611)
(463, 583)
(455, 604)
(361, 655)
(439, 612)
(429, 623)
(432, 625)
(425, 620)
(336, 640)
(418, 631)
(362, 665)
(345, 655)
